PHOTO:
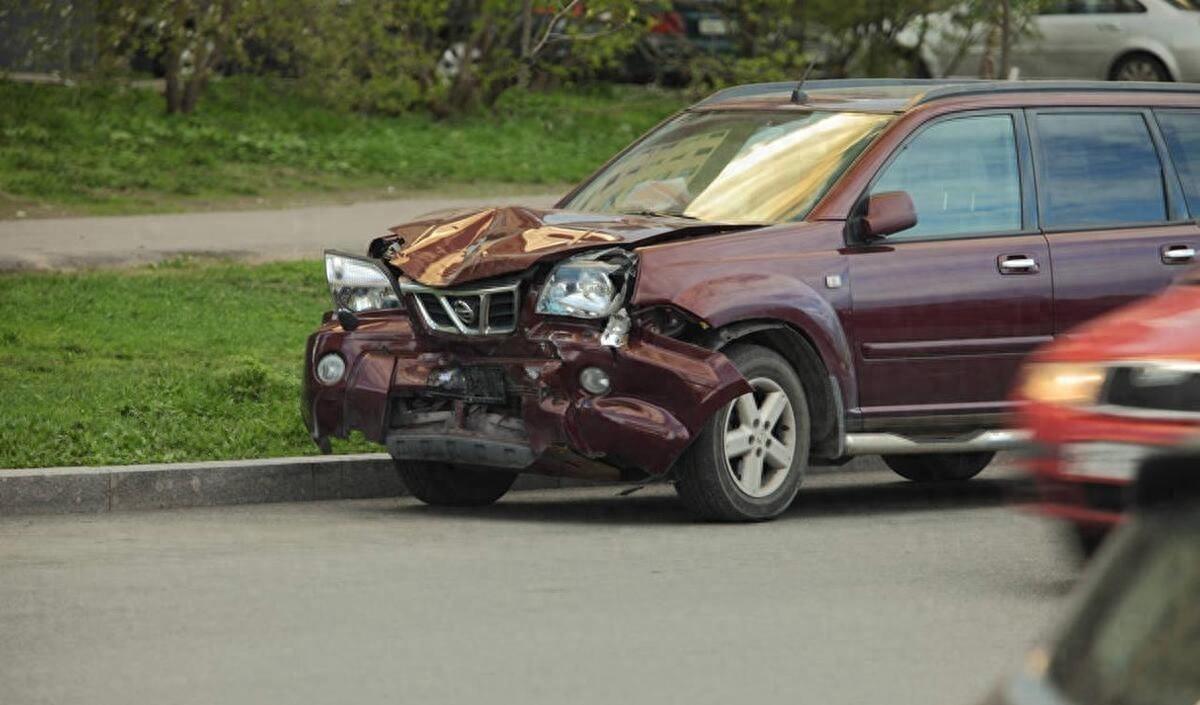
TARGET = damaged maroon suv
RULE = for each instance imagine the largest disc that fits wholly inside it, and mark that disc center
(771, 279)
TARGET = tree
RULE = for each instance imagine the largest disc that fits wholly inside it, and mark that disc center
(48, 36)
(510, 42)
(862, 36)
(190, 38)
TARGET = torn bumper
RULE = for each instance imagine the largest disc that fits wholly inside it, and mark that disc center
(522, 405)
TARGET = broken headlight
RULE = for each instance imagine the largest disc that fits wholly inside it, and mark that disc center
(589, 286)
(359, 284)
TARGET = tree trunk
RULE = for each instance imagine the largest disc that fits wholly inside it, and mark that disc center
(192, 91)
(1006, 39)
(205, 58)
(524, 70)
(987, 64)
(174, 91)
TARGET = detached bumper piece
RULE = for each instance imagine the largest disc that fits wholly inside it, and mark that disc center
(490, 440)
(460, 450)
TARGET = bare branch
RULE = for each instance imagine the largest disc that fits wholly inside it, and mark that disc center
(550, 28)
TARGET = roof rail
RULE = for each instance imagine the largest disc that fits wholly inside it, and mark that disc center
(754, 90)
(941, 88)
(977, 87)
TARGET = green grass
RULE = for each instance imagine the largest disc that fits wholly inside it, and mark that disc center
(103, 150)
(181, 361)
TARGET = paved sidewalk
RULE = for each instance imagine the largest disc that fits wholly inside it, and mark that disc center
(298, 233)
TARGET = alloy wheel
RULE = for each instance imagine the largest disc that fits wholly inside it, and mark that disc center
(760, 438)
(1139, 70)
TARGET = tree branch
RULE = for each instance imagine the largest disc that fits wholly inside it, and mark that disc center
(537, 48)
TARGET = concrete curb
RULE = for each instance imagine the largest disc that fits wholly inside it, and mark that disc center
(117, 488)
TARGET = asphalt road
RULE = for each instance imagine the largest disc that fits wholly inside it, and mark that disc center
(295, 233)
(870, 590)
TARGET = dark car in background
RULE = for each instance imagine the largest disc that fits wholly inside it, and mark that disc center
(772, 279)
(1121, 389)
(680, 31)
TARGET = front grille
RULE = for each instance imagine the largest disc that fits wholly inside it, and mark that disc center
(489, 310)
(1154, 389)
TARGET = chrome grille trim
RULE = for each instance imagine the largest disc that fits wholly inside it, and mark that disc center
(1190, 371)
(451, 307)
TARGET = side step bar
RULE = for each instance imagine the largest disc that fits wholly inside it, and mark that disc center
(892, 444)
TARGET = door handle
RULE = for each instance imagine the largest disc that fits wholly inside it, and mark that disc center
(1178, 254)
(1018, 264)
(1109, 26)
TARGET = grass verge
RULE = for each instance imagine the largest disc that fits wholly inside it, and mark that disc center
(186, 360)
(101, 150)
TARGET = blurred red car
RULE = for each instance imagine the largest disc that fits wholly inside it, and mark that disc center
(1102, 399)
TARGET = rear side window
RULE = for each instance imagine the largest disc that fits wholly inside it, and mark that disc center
(1098, 169)
(962, 176)
(1182, 133)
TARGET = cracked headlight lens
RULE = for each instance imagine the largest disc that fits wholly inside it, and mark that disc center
(584, 288)
(358, 284)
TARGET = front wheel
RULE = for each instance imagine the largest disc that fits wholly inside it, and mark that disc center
(445, 485)
(748, 462)
(934, 467)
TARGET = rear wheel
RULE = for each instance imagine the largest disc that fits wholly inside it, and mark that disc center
(1140, 67)
(748, 462)
(935, 467)
(445, 485)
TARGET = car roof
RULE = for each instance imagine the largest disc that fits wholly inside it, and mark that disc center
(881, 95)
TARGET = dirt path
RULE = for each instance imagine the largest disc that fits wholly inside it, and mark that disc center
(298, 233)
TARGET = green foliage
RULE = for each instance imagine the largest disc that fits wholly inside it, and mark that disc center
(787, 62)
(383, 56)
(111, 150)
(183, 361)
(776, 38)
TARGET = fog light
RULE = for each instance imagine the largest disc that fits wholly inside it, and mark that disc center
(595, 380)
(331, 368)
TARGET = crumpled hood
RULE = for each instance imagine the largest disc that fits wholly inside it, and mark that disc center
(452, 247)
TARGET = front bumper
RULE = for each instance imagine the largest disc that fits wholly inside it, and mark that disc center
(663, 392)
(1093, 498)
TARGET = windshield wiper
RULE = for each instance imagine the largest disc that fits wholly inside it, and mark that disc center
(660, 214)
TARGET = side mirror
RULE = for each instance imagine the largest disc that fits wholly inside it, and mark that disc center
(888, 213)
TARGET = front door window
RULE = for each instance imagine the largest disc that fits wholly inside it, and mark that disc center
(963, 177)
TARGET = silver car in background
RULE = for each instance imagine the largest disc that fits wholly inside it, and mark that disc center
(1124, 40)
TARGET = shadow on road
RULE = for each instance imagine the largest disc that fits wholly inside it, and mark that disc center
(658, 505)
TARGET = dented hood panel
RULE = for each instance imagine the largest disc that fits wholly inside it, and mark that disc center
(457, 246)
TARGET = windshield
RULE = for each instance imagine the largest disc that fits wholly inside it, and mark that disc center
(1138, 641)
(1193, 5)
(733, 166)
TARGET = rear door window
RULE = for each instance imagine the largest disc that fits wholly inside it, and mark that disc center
(1098, 170)
(1182, 134)
(963, 178)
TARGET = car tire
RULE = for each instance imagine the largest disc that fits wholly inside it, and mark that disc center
(939, 467)
(445, 485)
(1141, 67)
(739, 470)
